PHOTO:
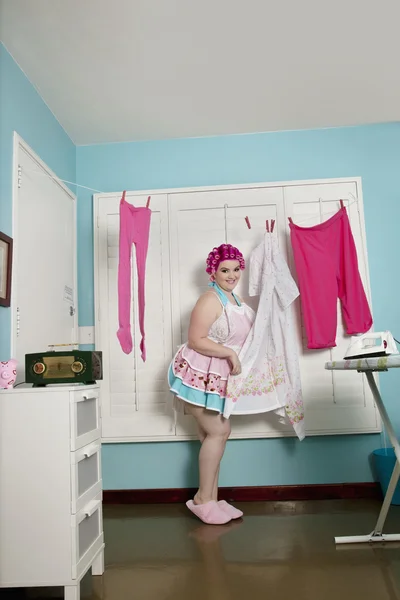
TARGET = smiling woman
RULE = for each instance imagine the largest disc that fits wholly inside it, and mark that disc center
(198, 375)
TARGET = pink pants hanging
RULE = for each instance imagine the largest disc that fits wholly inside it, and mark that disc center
(134, 228)
(327, 269)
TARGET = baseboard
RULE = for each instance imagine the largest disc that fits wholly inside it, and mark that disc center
(280, 493)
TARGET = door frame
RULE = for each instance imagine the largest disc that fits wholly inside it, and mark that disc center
(19, 145)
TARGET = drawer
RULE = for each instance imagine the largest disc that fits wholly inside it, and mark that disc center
(85, 475)
(87, 535)
(85, 418)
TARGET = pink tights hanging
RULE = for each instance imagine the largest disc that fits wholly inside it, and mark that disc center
(134, 228)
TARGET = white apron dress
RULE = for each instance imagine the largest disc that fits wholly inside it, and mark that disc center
(270, 378)
(202, 380)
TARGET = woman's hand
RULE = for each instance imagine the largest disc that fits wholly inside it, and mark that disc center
(236, 367)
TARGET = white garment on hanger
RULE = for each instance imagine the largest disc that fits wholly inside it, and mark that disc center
(270, 378)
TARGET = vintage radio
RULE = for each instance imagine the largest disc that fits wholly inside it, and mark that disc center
(76, 366)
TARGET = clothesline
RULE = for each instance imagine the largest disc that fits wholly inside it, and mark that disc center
(354, 201)
(327, 214)
(56, 179)
(85, 187)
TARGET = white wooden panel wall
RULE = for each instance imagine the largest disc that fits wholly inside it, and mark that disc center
(185, 226)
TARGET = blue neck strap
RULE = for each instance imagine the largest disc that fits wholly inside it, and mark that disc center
(221, 294)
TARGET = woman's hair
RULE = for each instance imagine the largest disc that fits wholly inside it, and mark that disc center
(224, 252)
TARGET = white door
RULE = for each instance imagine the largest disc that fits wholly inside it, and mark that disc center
(44, 286)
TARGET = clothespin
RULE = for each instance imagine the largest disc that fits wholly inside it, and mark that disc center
(148, 202)
(267, 225)
(341, 204)
(272, 225)
(123, 196)
(247, 222)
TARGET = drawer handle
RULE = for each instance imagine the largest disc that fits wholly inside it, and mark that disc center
(91, 508)
(90, 451)
(90, 397)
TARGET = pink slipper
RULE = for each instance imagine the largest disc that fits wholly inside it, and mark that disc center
(231, 511)
(209, 512)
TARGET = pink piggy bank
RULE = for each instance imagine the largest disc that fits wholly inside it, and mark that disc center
(8, 373)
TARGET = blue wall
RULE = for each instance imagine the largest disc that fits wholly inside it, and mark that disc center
(23, 110)
(372, 152)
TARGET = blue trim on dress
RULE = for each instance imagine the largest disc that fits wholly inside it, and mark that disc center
(222, 295)
(192, 396)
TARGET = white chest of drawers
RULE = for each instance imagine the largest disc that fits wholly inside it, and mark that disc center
(51, 525)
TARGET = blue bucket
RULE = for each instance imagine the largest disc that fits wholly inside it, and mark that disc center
(384, 460)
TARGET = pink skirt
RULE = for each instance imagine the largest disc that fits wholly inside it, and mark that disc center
(199, 380)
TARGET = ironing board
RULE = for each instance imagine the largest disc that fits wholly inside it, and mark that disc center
(369, 366)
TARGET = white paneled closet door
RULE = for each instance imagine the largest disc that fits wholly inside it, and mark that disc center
(335, 402)
(198, 222)
(136, 401)
(185, 226)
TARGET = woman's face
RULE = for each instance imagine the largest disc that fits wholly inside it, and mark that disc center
(228, 275)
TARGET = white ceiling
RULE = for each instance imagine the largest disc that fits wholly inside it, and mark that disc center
(154, 69)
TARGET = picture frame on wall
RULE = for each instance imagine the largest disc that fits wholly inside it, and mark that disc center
(6, 249)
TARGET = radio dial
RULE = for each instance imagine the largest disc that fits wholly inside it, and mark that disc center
(39, 368)
(77, 366)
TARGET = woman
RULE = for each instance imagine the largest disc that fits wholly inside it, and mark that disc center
(198, 375)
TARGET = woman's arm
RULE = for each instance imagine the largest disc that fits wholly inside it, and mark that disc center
(204, 314)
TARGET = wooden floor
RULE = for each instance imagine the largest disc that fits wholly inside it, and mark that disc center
(278, 551)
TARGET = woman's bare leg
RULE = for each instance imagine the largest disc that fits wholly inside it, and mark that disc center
(202, 436)
(215, 431)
